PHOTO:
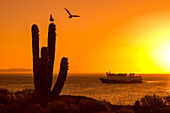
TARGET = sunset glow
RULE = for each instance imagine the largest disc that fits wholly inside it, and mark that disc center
(160, 55)
(121, 36)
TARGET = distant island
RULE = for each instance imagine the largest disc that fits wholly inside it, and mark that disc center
(15, 70)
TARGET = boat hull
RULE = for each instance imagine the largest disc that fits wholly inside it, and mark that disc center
(107, 80)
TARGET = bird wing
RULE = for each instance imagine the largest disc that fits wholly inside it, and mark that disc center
(68, 11)
(75, 16)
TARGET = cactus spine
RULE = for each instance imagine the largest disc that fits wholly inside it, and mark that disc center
(43, 67)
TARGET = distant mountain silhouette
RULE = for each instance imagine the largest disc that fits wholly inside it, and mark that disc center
(70, 15)
(15, 70)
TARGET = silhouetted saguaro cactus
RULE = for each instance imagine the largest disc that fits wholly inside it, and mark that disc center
(43, 67)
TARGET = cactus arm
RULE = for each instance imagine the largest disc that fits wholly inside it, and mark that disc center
(61, 78)
(35, 49)
(43, 94)
(44, 71)
(35, 41)
(51, 52)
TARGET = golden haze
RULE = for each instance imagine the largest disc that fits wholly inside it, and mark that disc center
(116, 35)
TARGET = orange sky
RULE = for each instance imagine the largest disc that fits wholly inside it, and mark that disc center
(117, 35)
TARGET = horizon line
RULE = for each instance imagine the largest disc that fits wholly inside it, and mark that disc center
(77, 73)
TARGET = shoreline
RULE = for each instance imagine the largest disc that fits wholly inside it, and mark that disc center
(25, 101)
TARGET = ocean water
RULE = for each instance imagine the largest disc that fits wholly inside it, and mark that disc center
(90, 86)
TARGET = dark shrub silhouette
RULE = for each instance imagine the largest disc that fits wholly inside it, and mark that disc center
(25, 97)
(34, 108)
(6, 97)
(25, 102)
(12, 108)
(152, 100)
(151, 104)
(5, 91)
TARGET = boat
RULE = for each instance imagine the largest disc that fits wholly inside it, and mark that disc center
(121, 78)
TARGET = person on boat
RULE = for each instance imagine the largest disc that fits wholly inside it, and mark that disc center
(133, 74)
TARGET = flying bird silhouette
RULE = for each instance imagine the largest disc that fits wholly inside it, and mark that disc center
(51, 18)
(70, 15)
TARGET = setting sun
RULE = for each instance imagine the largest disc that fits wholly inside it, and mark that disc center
(160, 55)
